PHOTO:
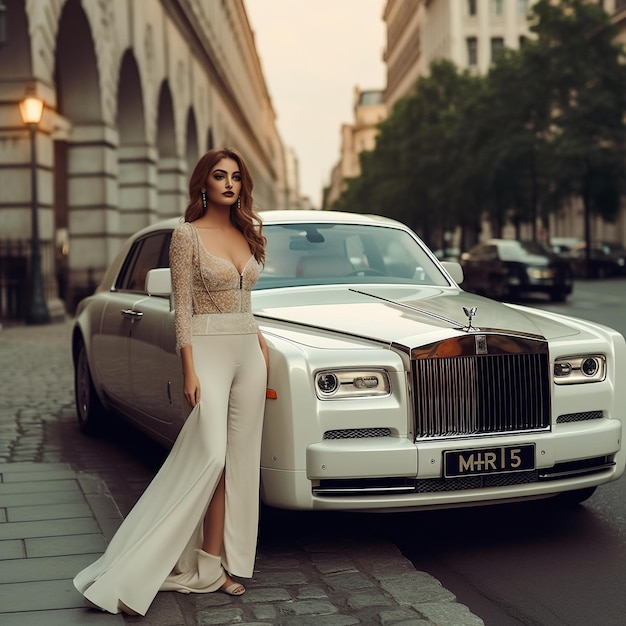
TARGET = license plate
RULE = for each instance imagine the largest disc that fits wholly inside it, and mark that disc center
(498, 460)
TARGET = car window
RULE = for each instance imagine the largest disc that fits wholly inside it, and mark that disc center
(482, 252)
(519, 250)
(146, 254)
(306, 254)
(511, 251)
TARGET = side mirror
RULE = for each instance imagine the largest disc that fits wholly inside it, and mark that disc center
(455, 270)
(159, 282)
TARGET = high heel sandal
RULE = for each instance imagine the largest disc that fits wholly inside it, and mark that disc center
(232, 588)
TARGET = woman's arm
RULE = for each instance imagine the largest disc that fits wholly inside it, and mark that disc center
(181, 259)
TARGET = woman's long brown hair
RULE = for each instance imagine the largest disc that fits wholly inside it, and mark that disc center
(243, 218)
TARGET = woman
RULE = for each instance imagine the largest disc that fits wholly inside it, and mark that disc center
(196, 524)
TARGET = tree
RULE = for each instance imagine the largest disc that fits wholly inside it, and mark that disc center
(586, 93)
(515, 152)
(418, 150)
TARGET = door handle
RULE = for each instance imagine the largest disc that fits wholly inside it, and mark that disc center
(131, 314)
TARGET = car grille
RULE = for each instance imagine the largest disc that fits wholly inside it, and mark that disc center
(579, 417)
(357, 433)
(481, 384)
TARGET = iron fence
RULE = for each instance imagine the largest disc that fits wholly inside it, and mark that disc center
(15, 262)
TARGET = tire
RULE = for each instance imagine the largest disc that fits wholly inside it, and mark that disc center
(89, 409)
(572, 498)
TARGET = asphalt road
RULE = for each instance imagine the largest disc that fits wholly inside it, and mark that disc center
(534, 564)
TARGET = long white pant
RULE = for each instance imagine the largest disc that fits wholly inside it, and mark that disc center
(230, 426)
(158, 546)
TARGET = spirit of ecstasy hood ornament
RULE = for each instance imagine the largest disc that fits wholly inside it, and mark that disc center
(470, 313)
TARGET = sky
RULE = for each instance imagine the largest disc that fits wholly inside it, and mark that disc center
(313, 53)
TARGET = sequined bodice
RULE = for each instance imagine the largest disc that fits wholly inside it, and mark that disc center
(210, 295)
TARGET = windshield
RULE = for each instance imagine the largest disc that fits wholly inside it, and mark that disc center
(323, 254)
(520, 250)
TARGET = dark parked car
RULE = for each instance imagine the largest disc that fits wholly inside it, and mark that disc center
(562, 245)
(506, 269)
(605, 259)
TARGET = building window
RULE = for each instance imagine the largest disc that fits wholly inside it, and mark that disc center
(471, 8)
(497, 8)
(523, 7)
(497, 48)
(472, 51)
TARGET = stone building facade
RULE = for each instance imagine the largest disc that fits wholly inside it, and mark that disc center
(470, 33)
(369, 111)
(135, 91)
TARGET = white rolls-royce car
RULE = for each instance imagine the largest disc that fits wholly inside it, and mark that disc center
(390, 387)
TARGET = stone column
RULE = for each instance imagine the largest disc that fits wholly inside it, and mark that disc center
(137, 183)
(172, 186)
(93, 213)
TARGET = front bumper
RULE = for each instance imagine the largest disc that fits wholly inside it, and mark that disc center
(391, 473)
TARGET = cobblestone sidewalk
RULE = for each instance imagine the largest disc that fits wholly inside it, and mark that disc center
(306, 573)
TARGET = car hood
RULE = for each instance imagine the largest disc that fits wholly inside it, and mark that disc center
(398, 314)
(536, 260)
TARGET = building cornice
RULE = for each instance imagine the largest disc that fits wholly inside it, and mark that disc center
(182, 14)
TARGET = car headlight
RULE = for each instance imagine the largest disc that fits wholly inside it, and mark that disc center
(351, 383)
(572, 370)
(538, 273)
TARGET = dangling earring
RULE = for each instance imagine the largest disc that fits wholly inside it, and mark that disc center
(203, 193)
(239, 203)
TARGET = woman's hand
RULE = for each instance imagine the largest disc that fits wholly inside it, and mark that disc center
(191, 382)
(191, 389)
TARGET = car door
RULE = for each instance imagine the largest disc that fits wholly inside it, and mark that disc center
(111, 342)
(155, 369)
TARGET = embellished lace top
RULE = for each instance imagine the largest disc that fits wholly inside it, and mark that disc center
(210, 296)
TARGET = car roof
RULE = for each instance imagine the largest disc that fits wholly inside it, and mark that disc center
(293, 216)
(338, 217)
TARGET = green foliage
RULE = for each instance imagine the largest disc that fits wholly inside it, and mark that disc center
(586, 93)
(545, 124)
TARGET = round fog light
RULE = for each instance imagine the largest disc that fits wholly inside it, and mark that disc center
(589, 367)
(327, 383)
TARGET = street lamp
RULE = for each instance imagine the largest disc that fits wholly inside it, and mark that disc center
(3, 23)
(31, 110)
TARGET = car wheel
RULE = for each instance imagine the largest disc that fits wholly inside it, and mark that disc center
(572, 498)
(89, 409)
